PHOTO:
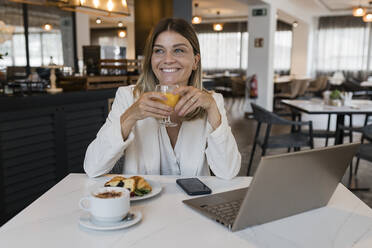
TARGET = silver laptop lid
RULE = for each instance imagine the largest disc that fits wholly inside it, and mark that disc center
(288, 184)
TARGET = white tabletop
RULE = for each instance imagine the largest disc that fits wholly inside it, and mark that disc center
(317, 106)
(366, 84)
(52, 221)
(289, 78)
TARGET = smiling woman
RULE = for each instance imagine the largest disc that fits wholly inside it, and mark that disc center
(202, 139)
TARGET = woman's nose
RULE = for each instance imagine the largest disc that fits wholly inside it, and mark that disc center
(169, 58)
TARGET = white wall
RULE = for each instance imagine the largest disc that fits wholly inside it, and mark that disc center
(300, 44)
(82, 33)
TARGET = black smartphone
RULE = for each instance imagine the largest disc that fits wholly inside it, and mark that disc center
(193, 186)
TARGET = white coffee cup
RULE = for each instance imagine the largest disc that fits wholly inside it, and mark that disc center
(110, 209)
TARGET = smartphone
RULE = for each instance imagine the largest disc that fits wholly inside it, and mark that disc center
(193, 186)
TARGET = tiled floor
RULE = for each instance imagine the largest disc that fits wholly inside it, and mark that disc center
(244, 129)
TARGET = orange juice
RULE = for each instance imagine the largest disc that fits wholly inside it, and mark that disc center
(171, 99)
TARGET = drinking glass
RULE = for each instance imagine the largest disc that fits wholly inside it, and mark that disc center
(171, 101)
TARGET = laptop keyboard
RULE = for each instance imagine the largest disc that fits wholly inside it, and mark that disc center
(226, 211)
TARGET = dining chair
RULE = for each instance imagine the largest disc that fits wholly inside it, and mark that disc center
(294, 139)
(364, 152)
(303, 87)
(326, 133)
(319, 84)
(289, 91)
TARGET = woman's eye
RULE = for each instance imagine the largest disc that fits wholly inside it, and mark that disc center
(158, 51)
(178, 50)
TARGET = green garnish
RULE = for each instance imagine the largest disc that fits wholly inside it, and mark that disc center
(141, 192)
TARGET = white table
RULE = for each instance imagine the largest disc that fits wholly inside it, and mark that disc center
(52, 221)
(366, 84)
(289, 78)
(317, 106)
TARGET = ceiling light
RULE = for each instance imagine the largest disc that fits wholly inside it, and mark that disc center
(110, 5)
(196, 19)
(122, 33)
(112, 8)
(359, 11)
(47, 27)
(367, 17)
(218, 26)
(96, 3)
(98, 20)
(120, 24)
(295, 24)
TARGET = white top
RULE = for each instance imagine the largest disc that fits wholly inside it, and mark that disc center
(52, 221)
(148, 149)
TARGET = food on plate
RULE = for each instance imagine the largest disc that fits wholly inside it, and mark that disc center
(136, 185)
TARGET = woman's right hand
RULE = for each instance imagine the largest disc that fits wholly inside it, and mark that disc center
(147, 105)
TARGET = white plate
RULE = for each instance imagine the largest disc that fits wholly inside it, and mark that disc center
(86, 221)
(156, 189)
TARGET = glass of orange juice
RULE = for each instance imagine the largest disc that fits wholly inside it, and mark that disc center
(171, 101)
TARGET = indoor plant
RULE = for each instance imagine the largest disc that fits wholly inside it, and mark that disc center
(335, 98)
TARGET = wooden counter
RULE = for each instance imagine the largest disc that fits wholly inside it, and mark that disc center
(72, 83)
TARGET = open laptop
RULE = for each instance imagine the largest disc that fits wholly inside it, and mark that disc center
(283, 185)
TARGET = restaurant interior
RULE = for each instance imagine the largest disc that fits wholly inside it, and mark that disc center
(278, 63)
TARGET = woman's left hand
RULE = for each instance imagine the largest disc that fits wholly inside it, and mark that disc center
(192, 98)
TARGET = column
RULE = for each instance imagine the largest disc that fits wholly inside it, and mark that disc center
(82, 35)
(300, 43)
(261, 29)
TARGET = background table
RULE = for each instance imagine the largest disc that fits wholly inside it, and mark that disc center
(318, 107)
(52, 221)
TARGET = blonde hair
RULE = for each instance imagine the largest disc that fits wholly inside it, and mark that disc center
(147, 80)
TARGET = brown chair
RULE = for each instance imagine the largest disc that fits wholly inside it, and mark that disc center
(303, 87)
(317, 85)
(238, 86)
(289, 91)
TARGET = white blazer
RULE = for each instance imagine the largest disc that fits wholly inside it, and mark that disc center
(201, 147)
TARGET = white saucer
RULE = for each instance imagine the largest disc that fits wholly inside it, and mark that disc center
(86, 221)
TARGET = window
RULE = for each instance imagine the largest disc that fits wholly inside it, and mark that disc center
(13, 43)
(45, 47)
(343, 44)
(42, 45)
(282, 50)
(54, 45)
(221, 51)
(225, 50)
